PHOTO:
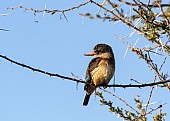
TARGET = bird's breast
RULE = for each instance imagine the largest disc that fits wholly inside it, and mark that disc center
(103, 73)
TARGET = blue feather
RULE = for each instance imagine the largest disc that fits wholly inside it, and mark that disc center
(88, 79)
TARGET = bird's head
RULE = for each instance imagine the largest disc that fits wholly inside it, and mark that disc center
(101, 51)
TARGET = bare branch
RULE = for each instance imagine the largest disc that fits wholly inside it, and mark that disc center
(80, 80)
(149, 5)
(41, 71)
(151, 92)
(121, 100)
(139, 85)
(124, 20)
(49, 11)
(4, 30)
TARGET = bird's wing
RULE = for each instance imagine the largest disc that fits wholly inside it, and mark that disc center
(92, 65)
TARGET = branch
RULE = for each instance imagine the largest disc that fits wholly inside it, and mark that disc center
(80, 80)
(150, 5)
(4, 30)
(41, 71)
(124, 20)
(128, 105)
(139, 85)
(150, 95)
(49, 11)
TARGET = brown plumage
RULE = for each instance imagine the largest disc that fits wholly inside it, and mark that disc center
(100, 69)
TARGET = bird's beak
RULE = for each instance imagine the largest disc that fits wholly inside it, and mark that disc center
(90, 54)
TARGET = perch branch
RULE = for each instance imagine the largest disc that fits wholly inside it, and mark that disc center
(80, 80)
(40, 71)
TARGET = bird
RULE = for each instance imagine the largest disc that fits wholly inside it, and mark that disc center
(100, 69)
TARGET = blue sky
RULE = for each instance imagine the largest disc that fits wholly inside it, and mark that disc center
(58, 46)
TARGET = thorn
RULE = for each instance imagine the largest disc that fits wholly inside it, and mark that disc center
(44, 11)
(65, 16)
(36, 21)
(156, 87)
(151, 103)
(138, 21)
(6, 14)
(125, 53)
(156, 51)
(101, 5)
(20, 5)
(136, 42)
(77, 85)
(132, 33)
(147, 45)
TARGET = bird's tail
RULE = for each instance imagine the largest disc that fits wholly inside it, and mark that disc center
(86, 99)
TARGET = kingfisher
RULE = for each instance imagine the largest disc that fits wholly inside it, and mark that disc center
(100, 69)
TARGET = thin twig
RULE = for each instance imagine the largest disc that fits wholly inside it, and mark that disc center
(133, 4)
(160, 106)
(161, 9)
(151, 92)
(120, 100)
(120, 18)
(162, 64)
(49, 11)
(4, 30)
